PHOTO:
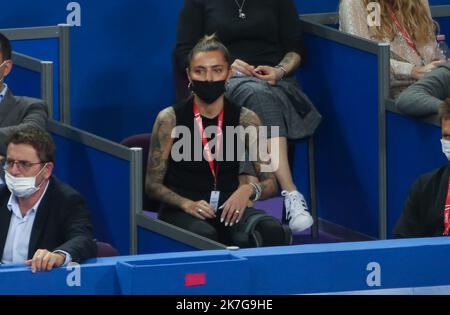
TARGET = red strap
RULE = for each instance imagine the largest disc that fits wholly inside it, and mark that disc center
(404, 32)
(447, 212)
(207, 150)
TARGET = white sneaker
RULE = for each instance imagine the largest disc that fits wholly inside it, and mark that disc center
(297, 211)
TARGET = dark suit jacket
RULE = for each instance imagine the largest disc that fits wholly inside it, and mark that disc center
(62, 223)
(423, 215)
(18, 112)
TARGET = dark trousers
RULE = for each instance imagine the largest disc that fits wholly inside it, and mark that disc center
(271, 231)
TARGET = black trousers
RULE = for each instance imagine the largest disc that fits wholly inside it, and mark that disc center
(271, 231)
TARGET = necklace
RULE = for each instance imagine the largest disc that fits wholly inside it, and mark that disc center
(241, 8)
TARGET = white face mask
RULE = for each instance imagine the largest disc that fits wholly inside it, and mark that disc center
(22, 187)
(446, 148)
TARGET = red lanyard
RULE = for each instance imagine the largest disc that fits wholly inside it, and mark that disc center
(404, 32)
(207, 150)
(447, 212)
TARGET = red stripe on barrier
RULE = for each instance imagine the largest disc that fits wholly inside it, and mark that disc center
(197, 279)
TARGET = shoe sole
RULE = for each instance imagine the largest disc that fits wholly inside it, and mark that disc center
(303, 227)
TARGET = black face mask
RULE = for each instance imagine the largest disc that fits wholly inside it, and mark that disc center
(208, 91)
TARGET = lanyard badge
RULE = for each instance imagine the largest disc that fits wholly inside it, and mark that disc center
(215, 194)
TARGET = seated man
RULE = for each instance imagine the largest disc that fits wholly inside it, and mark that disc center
(201, 192)
(424, 97)
(427, 209)
(43, 222)
(15, 111)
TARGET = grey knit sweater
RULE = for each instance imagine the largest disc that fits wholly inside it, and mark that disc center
(424, 97)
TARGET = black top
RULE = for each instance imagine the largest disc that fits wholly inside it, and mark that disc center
(271, 29)
(193, 179)
(423, 215)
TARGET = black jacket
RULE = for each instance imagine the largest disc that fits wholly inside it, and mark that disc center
(423, 214)
(62, 223)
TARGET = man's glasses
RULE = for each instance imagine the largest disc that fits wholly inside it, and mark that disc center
(21, 165)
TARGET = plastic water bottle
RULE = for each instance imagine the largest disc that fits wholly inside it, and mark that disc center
(442, 50)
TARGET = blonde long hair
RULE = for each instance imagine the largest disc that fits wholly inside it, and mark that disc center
(412, 14)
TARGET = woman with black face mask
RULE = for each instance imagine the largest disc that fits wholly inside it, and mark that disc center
(265, 43)
(194, 160)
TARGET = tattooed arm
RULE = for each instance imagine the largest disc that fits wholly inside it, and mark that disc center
(267, 180)
(158, 156)
(233, 209)
(290, 62)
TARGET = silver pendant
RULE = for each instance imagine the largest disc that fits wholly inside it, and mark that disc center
(242, 15)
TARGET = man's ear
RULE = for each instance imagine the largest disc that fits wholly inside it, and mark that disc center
(7, 68)
(49, 170)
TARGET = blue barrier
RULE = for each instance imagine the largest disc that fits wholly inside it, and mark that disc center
(438, 2)
(98, 279)
(25, 82)
(46, 49)
(101, 171)
(134, 275)
(413, 149)
(32, 77)
(301, 168)
(155, 236)
(364, 267)
(306, 6)
(348, 148)
(444, 24)
(150, 242)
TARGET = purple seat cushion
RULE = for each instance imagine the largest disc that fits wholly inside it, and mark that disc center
(272, 206)
(142, 141)
(106, 250)
(151, 214)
